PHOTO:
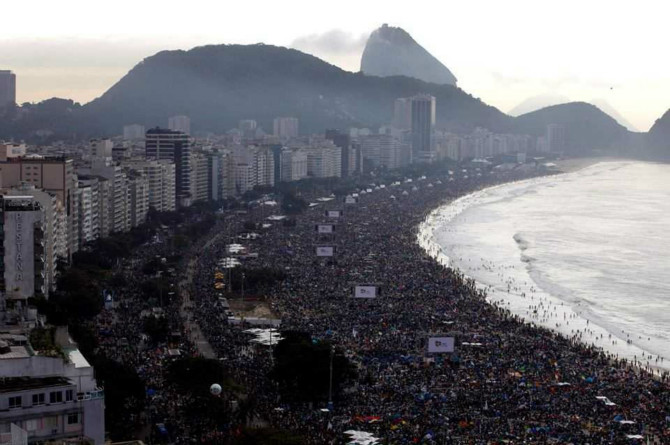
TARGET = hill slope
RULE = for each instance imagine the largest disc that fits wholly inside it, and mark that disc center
(658, 138)
(219, 85)
(393, 52)
(587, 127)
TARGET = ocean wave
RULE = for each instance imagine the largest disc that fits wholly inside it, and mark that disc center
(521, 241)
(446, 232)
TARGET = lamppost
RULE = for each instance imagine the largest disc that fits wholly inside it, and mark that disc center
(330, 383)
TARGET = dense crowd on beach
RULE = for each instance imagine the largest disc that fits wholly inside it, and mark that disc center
(506, 381)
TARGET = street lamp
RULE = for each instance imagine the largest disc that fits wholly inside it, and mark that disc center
(330, 383)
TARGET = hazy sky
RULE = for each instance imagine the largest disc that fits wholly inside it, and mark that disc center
(501, 51)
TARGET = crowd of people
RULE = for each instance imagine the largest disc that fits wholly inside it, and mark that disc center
(507, 379)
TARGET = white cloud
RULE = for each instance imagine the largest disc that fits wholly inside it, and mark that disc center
(335, 46)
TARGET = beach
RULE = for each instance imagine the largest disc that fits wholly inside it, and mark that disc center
(522, 285)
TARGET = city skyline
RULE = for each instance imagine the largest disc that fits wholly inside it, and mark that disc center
(531, 54)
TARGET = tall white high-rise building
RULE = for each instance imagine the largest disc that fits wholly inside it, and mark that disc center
(180, 123)
(161, 182)
(138, 191)
(248, 128)
(88, 207)
(402, 113)
(101, 148)
(555, 138)
(23, 241)
(133, 132)
(199, 177)
(55, 231)
(293, 164)
(324, 161)
(286, 127)
(382, 150)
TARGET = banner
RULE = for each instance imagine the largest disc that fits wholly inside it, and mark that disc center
(325, 251)
(333, 213)
(441, 344)
(325, 228)
(350, 200)
(365, 291)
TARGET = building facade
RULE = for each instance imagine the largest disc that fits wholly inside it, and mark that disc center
(53, 174)
(285, 127)
(52, 399)
(423, 125)
(162, 144)
(24, 266)
(180, 123)
(7, 88)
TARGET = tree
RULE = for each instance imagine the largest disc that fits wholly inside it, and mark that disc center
(203, 412)
(292, 204)
(124, 395)
(194, 375)
(156, 328)
(302, 368)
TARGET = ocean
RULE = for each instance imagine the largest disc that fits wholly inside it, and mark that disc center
(585, 253)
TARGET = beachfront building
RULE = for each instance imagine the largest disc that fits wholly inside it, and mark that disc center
(133, 132)
(199, 177)
(285, 127)
(293, 164)
(54, 175)
(49, 390)
(324, 160)
(160, 182)
(423, 125)
(180, 123)
(163, 144)
(24, 265)
(381, 150)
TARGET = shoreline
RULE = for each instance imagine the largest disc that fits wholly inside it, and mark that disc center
(503, 369)
(435, 219)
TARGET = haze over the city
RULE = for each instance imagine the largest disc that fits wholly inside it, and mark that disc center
(503, 53)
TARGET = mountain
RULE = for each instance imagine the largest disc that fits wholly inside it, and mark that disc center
(609, 109)
(392, 51)
(547, 100)
(658, 138)
(586, 128)
(536, 103)
(220, 84)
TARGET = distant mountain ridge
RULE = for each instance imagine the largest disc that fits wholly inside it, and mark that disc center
(547, 100)
(587, 127)
(218, 85)
(392, 51)
(658, 138)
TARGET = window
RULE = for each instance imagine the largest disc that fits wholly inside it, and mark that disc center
(55, 397)
(51, 422)
(15, 402)
(69, 395)
(38, 399)
(73, 419)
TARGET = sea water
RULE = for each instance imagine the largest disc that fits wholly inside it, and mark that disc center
(585, 253)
